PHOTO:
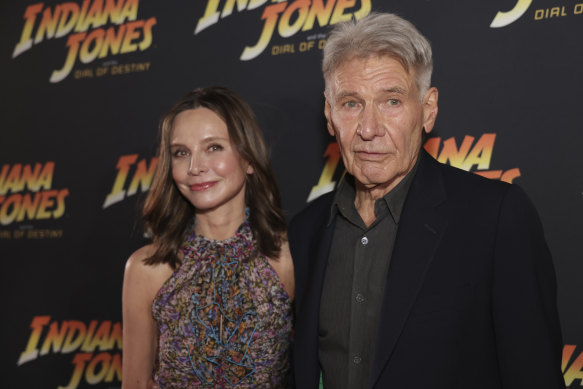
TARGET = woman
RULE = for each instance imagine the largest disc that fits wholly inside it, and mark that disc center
(208, 303)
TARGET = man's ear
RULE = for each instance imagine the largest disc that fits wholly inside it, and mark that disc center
(430, 109)
(327, 109)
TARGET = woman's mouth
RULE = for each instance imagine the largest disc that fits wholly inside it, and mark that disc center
(202, 186)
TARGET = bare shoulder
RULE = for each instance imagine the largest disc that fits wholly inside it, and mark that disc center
(148, 279)
(137, 258)
(136, 262)
(284, 267)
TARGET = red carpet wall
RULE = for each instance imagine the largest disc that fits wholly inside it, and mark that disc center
(85, 83)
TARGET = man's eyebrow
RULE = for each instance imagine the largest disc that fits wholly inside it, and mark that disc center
(396, 89)
(343, 94)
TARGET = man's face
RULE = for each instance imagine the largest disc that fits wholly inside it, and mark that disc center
(375, 112)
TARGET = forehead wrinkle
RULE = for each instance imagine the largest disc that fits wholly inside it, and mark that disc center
(343, 91)
(367, 69)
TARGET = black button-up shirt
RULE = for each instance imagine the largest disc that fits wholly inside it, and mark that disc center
(353, 284)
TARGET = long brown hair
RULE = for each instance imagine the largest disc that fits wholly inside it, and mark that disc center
(167, 213)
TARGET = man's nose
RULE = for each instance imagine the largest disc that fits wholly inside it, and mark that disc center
(370, 125)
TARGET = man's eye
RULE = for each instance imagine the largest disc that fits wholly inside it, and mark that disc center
(350, 104)
(393, 102)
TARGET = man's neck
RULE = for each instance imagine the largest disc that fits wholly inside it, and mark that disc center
(365, 198)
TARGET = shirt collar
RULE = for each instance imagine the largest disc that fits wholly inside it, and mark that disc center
(394, 200)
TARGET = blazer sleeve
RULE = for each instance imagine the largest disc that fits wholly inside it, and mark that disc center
(524, 300)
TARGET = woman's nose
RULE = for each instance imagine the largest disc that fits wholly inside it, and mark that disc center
(197, 165)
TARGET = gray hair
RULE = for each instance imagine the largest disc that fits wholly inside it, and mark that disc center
(379, 34)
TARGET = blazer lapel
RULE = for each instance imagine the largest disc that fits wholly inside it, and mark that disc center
(420, 230)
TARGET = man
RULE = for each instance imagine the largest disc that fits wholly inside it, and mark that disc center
(413, 274)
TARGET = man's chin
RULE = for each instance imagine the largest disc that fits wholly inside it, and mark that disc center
(370, 180)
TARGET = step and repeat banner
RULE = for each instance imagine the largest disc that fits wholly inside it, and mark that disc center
(85, 83)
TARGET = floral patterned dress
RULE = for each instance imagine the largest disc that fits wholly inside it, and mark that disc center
(224, 318)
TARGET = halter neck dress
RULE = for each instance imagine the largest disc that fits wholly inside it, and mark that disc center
(223, 317)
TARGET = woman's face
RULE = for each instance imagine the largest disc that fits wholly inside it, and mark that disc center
(206, 168)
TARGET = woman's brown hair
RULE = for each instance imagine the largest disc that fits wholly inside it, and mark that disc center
(167, 213)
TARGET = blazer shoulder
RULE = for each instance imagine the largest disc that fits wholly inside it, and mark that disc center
(471, 184)
(316, 210)
(463, 187)
(310, 222)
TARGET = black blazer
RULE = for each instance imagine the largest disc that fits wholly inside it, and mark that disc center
(470, 297)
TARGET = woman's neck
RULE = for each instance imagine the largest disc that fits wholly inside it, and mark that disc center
(219, 224)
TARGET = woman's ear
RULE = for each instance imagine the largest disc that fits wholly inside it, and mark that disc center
(250, 169)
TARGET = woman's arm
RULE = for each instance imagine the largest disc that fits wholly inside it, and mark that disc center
(284, 267)
(140, 335)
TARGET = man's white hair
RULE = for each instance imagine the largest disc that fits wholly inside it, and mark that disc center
(379, 34)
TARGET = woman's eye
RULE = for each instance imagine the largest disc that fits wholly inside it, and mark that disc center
(215, 147)
(179, 153)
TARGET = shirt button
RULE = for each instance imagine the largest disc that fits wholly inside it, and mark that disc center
(356, 359)
(359, 298)
(364, 240)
